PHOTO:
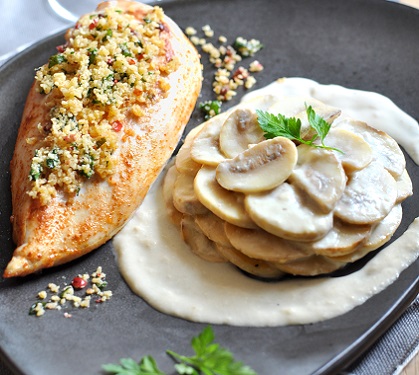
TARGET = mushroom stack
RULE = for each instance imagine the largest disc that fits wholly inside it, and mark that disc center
(273, 206)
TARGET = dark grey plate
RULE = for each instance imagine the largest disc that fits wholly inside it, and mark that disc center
(370, 45)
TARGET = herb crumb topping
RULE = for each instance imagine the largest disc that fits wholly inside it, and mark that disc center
(112, 64)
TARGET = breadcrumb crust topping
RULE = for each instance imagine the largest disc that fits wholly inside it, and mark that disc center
(112, 64)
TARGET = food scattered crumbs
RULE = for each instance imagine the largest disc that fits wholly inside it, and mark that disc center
(225, 57)
(211, 108)
(56, 298)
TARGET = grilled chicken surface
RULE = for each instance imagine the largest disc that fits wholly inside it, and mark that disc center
(69, 226)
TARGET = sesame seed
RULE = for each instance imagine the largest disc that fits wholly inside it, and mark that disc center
(190, 31)
(42, 294)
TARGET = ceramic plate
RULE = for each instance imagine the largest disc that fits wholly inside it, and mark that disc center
(369, 45)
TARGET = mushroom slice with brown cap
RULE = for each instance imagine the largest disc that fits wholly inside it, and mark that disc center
(369, 196)
(184, 197)
(198, 242)
(310, 266)
(285, 213)
(356, 152)
(327, 113)
(384, 148)
(320, 175)
(206, 145)
(404, 187)
(262, 167)
(213, 227)
(342, 239)
(383, 231)
(239, 131)
(255, 267)
(184, 162)
(380, 234)
(167, 190)
(259, 244)
(205, 148)
(226, 204)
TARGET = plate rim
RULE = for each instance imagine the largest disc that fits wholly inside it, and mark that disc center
(364, 342)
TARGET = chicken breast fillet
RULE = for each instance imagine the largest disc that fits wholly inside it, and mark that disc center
(66, 227)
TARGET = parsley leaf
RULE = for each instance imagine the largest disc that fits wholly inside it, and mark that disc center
(279, 126)
(209, 359)
(319, 124)
(246, 48)
(147, 366)
(290, 127)
(56, 59)
(210, 108)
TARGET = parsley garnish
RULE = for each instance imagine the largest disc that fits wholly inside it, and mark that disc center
(92, 55)
(290, 127)
(246, 48)
(209, 359)
(108, 35)
(147, 366)
(56, 59)
(125, 50)
(52, 160)
(210, 108)
(36, 169)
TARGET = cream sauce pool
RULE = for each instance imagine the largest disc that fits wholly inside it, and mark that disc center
(159, 267)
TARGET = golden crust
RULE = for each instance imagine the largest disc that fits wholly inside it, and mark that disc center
(49, 235)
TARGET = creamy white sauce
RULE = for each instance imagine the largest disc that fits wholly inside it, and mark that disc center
(160, 268)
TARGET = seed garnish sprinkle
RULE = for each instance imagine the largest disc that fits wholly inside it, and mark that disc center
(225, 58)
(83, 289)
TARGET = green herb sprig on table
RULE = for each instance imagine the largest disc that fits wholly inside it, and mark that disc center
(290, 127)
(209, 359)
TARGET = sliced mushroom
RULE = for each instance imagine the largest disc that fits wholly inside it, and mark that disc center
(380, 234)
(239, 130)
(262, 167)
(320, 175)
(205, 147)
(198, 242)
(184, 162)
(327, 113)
(255, 267)
(342, 239)
(284, 213)
(259, 244)
(213, 227)
(384, 148)
(184, 197)
(226, 204)
(404, 187)
(310, 266)
(356, 153)
(369, 196)
(262, 102)
(168, 184)
(385, 229)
